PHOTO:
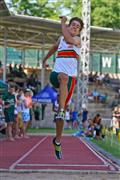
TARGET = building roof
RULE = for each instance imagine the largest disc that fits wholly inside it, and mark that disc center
(35, 32)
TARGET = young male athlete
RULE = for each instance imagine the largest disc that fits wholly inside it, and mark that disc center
(64, 72)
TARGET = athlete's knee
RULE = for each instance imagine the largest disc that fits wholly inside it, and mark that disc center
(63, 78)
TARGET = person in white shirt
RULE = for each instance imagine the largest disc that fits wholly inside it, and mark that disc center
(64, 72)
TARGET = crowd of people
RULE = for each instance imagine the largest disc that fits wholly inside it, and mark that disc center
(15, 117)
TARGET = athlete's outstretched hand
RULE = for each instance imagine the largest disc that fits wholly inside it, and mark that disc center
(63, 19)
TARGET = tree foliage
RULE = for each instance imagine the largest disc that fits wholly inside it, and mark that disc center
(41, 8)
(104, 13)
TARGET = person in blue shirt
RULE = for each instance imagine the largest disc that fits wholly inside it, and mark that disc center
(84, 116)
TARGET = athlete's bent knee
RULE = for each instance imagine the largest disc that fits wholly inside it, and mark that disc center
(63, 78)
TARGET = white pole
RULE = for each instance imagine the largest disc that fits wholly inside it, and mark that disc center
(5, 55)
(42, 70)
(84, 55)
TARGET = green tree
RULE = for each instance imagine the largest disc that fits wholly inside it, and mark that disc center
(41, 8)
(104, 13)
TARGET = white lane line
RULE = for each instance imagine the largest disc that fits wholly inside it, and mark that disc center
(108, 161)
(27, 154)
(99, 157)
(59, 165)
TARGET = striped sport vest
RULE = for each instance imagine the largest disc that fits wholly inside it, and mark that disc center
(66, 59)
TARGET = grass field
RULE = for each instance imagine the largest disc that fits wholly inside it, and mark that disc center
(50, 130)
(110, 144)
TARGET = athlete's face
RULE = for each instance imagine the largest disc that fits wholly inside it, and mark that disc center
(74, 28)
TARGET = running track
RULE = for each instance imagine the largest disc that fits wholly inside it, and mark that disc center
(37, 154)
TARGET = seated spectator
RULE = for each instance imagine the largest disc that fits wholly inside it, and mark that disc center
(113, 102)
(21, 68)
(15, 68)
(97, 127)
(90, 96)
(90, 128)
(103, 98)
(96, 95)
(106, 79)
(91, 78)
(99, 79)
(95, 76)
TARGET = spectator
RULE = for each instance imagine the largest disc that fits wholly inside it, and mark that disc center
(103, 98)
(90, 128)
(56, 107)
(37, 110)
(1, 68)
(21, 68)
(0, 64)
(10, 68)
(96, 95)
(75, 118)
(95, 76)
(9, 106)
(26, 113)
(15, 69)
(91, 78)
(15, 124)
(106, 79)
(43, 110)
(20, 104)
(99, 79)
(84, 116)
(116, 118)
(114, 102)
(97, 126)
(67, 118)
(3, 124)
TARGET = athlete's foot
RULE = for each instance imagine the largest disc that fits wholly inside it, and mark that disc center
(58, 151)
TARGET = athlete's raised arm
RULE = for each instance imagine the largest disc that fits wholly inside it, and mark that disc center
(72, 31)
(52, 50)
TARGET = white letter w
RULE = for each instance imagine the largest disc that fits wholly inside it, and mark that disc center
(106, 62)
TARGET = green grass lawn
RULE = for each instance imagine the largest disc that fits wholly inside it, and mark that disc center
(110, 144)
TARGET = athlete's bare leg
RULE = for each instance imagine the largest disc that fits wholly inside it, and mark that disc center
(63, 90)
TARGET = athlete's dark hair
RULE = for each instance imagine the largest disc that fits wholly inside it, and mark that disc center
(77, 19)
